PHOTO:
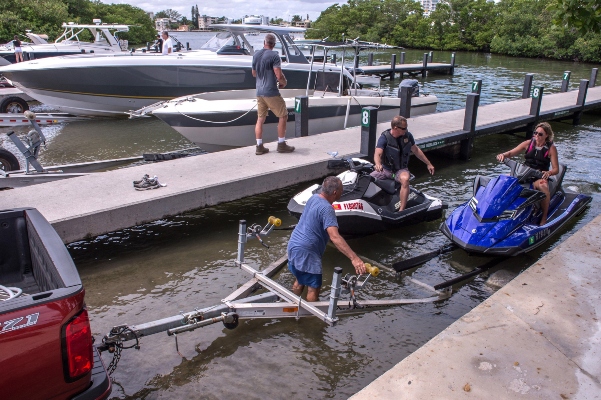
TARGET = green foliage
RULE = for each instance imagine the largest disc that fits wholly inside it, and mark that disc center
(47, 16)
(41, 16)
(582, 15)
(511, 27)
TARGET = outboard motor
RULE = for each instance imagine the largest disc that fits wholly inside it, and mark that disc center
(413, 86)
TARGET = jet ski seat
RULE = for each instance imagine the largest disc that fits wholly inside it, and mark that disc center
(390, 186)
(555, 181)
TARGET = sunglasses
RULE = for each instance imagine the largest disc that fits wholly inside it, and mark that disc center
(538, 133)
(398, 127)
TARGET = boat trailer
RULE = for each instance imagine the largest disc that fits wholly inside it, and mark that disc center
(277, 302)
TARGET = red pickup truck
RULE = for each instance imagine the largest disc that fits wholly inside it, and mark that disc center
(46, 345)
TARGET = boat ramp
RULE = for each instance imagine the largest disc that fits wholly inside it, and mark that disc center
(90, 205)
(538, 337)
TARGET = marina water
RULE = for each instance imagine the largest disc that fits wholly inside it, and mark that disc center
(185, 262)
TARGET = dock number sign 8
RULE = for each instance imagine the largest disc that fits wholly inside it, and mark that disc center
(535, 92)
(365, 118)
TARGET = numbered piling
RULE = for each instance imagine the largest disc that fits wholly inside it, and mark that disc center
(537, 98)
(402, 57)
(452, 64)
(370, 59)
(425, 65)
(469, 125)
(369, 122)
(565, 81)
(527, 86)
(301, 116)
(430, 56)
(333, 59)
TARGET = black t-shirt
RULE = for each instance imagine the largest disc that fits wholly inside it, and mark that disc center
(16, 43)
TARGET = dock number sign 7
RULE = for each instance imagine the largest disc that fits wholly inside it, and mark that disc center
(297, 105)
(365, 118)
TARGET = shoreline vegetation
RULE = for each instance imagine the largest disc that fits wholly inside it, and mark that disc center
(554, 29)
(47, 16)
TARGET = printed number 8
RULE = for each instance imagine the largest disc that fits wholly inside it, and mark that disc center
(365, 118)
(535, 93)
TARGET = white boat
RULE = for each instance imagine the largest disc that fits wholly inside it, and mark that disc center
(219, 121)
(69, 43)
(113, 85)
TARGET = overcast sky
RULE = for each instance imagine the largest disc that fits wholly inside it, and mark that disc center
(237, 8)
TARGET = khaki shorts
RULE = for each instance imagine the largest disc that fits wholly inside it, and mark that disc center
(276, 104)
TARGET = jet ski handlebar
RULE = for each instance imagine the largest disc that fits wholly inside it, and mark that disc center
(522, 172)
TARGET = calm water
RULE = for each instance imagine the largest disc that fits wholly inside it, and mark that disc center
(185, 262)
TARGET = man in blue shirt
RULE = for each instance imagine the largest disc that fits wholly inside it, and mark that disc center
(267, 68)
(391, 157)
(308, 242)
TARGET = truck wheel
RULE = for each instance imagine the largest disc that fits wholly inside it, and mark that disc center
(8, 161)
(13, 105)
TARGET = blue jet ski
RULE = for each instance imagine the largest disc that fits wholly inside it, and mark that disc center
(502, 217)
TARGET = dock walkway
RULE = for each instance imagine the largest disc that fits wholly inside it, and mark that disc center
(539, 337)
(104, 202)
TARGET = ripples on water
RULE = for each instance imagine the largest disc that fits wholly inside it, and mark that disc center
(185, 262)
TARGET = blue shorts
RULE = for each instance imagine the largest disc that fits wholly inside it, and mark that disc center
(305, 278)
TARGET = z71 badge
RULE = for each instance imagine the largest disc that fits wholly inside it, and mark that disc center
(19, 323)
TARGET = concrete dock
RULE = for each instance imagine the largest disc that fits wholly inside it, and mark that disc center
(538, 337)
(104, 202)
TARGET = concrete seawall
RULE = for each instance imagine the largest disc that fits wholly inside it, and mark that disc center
(538, 337)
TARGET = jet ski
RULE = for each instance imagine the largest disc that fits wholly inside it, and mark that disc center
(502, 217)
(370, 205)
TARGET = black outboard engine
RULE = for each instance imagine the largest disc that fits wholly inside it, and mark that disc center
(413, 86)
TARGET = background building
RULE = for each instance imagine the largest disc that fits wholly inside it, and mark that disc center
(429, 5)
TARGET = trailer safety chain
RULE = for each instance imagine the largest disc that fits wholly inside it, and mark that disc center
(114, 344)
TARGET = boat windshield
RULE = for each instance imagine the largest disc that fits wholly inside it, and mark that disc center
(218, 41)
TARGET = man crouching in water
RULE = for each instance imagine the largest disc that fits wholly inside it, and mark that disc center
(308, 242)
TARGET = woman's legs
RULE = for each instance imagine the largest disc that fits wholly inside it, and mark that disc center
(543, 186)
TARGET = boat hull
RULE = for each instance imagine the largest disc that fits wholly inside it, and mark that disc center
(221, 130)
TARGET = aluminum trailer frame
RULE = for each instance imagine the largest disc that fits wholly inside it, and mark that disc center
(278, 302)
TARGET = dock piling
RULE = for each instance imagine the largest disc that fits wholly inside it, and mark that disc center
(537, 98)
(392, 66)
(582, 91)
(527, 86)
(469, 125)
(369, 122)
(452, 69)
(430, 56)
(405, 95)
(425, 65)
(565, 81)
(333, 59)
(593, 79)
(301, 117)
(402, 57)
(370, 59)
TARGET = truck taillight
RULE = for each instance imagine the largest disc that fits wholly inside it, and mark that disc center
(77, 347)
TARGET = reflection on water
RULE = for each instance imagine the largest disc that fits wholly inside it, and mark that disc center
(185, 262)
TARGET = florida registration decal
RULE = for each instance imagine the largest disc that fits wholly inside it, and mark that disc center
(353, 206)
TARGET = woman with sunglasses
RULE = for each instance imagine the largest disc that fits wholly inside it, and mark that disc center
(541, 154)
